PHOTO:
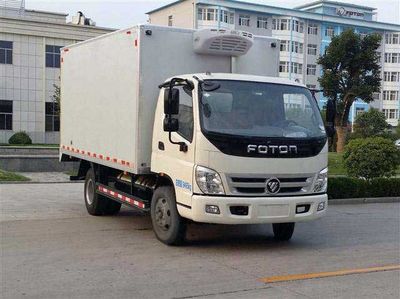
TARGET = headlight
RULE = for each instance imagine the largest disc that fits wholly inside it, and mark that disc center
(209, 181)
(321, 183)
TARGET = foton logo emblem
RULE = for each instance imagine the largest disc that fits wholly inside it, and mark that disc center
(272, 149)
(273, 186)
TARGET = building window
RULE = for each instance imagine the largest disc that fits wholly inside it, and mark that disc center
(297, 26)
(283, 67)
(311, 86)
(170, 21)
(6, 52)
(201, 14)
(391, 113)
(278, 24)
(6, 115)
(311, 69)
(226, 17)
(262, 22)
(210, 16)
(311, 49)
(329, 31)
(231, 18)
(390, 95)
(391, 76)
(52, 123)
(284, 25)
(376, 96)
(244, 20)
(297, 47)
(392, 38)
(284, 46)
(392, 57)
(275, 24)
(53, 56)
(297, 68)
(312, 29)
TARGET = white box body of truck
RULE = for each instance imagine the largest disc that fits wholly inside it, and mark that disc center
(109, 88)
(194, 125)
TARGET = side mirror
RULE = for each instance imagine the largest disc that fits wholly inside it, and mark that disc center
(330, 118)
(171, 124)
(171, 101)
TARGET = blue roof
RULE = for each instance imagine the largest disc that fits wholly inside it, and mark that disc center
(327, 2)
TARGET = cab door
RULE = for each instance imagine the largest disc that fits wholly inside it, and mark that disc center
(168, 158)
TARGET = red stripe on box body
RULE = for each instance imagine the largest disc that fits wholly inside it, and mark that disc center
(97, 156)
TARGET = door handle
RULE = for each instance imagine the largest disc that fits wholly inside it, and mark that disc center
(161, 146)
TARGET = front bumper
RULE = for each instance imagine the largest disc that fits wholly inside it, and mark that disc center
(260, 209)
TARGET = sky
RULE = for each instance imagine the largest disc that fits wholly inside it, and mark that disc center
(124, 13)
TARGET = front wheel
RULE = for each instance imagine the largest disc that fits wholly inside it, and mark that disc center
(283, 231)
(169, 227)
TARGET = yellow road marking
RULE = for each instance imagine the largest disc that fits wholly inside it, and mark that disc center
(328, 274)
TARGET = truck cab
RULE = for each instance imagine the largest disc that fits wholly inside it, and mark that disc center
(246, 149)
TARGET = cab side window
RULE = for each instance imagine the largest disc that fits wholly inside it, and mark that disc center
(185, 116)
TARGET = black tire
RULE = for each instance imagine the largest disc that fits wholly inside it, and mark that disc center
(112, 208)
(283, 231)
(168, 226)
(97, 204)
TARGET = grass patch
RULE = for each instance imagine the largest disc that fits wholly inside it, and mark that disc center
(335, 164)
(7, 176)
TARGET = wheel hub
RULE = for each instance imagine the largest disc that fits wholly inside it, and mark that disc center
(89, 194)
(163, 214)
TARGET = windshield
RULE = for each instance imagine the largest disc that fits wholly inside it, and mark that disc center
(255, 109)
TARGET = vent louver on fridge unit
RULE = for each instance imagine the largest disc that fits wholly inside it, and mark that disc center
(222, 42)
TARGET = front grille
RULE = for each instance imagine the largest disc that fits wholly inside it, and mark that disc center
(255, 185)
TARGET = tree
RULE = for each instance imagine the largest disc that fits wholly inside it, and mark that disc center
(56, 98)
(350, 71)
(370, 123)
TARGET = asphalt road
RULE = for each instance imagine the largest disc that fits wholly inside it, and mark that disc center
(51, 248)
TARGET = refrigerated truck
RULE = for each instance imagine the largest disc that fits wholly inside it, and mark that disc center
(192, 126)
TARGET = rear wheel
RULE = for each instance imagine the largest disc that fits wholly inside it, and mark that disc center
(283, 231)
(169, 227)
(97, 204)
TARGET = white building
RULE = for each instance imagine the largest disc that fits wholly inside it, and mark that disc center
(305, 32)
(30, 43)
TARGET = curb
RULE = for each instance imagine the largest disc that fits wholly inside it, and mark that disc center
(350, 201)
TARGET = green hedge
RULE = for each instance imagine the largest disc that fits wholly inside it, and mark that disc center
(20, 138)
(345, 187)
